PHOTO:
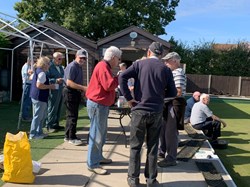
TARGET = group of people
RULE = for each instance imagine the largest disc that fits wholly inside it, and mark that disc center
(159, 90)
(159, 87)
(44, 86)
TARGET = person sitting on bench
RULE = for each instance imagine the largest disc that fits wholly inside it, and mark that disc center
(202, 118)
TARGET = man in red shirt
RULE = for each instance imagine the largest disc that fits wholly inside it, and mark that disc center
(101, 95)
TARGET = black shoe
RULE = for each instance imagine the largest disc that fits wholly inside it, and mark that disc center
(164, 163)
(161, 156)
(183, 143)
(133, 182)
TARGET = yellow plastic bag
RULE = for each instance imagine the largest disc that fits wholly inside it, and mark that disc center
(17, 159)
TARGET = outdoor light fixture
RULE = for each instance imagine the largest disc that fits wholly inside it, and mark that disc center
(132, 43)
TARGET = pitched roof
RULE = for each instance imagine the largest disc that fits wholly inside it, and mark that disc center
(129, 30)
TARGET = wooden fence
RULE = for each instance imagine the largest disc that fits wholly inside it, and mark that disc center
(219, 85)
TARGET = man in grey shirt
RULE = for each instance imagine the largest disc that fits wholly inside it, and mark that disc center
(202, 118)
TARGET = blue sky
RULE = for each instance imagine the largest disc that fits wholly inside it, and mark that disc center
(199, 21)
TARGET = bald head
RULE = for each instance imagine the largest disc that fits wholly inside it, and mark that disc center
(196, 95)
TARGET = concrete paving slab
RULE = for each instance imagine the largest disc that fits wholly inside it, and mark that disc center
(66, 165)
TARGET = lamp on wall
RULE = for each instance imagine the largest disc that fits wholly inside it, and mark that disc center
(132, 43)
(133, 35)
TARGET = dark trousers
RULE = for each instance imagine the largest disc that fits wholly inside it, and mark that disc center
(211, 128)
(54, 108)
(72, 99)
(169, 136)
(142, 123)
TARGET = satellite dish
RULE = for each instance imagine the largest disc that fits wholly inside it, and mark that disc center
(133, 35)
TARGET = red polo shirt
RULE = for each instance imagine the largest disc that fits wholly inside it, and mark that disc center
(102, 85)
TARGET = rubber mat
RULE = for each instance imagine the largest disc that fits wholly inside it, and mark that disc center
(193, 133)
(211, 175)
(189, 150)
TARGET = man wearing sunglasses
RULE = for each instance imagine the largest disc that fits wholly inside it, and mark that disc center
(55, 75)
(72, 93)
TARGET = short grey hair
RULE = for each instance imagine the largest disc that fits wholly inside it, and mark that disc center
(172, 55)
(203, 96)
(111, 52)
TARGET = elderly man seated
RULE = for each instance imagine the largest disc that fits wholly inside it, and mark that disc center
(202, 118)
(190, 103)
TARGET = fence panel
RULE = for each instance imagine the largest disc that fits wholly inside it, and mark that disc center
(245, 86)
(197, 83)
(224, 85)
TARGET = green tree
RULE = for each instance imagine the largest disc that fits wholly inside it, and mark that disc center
(96, 19)
(234, 62)
(204, 59)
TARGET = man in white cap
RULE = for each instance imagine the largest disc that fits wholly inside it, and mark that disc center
(72, 92)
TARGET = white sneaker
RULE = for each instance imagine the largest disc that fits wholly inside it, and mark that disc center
(76, 142)
(36, 137)
(65, 139)
(98, 170)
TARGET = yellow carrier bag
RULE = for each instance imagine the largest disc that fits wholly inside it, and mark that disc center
(17, 159)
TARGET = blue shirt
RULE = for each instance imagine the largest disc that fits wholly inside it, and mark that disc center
(189, 106)
(73, 72)
(24, 72)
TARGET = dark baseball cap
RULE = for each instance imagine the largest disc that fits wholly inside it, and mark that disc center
(156, 48)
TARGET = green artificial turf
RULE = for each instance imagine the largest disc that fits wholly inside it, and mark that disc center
(236, 158)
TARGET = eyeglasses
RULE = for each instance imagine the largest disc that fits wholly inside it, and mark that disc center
(118, 58)
(83, 58)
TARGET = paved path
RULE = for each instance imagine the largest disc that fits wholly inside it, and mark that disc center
(66, 165)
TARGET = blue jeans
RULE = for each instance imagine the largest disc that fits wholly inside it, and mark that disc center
(39, 115)
(26, 107)
(98, 115)
(149, 123)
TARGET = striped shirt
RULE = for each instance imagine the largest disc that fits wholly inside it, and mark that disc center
(180, 79)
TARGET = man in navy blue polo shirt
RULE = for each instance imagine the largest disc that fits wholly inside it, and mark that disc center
(152, 78)
(73, 77)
